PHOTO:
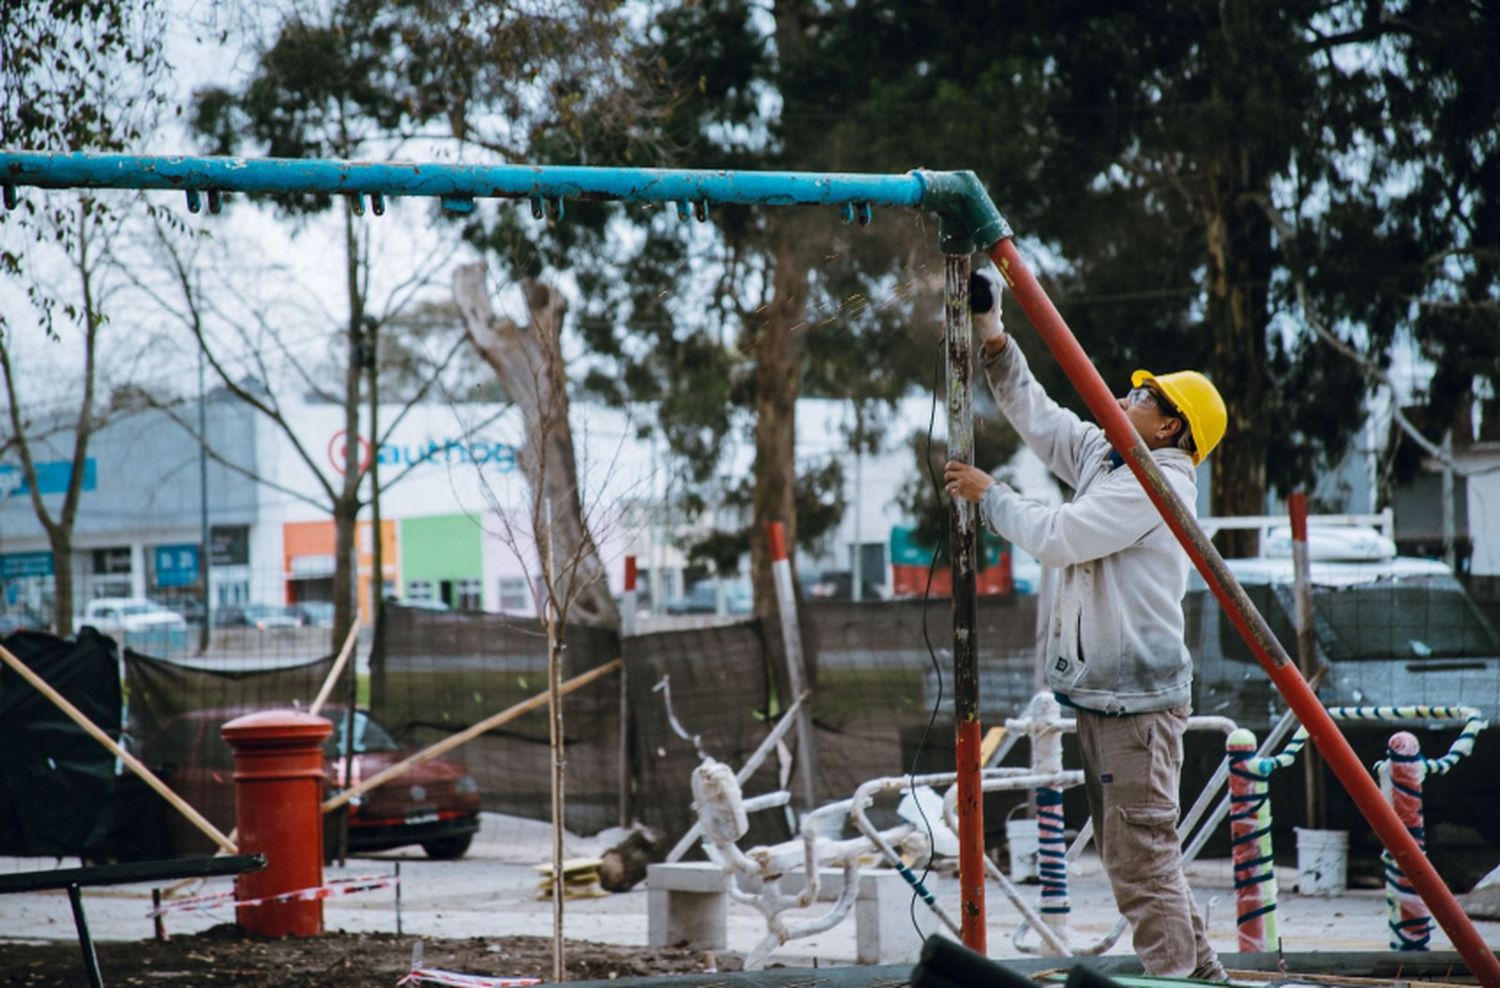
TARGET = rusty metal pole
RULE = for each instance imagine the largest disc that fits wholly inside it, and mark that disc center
(958, 332)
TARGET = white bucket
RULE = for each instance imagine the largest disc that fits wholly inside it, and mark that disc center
(1021, 838)
(1322, 861)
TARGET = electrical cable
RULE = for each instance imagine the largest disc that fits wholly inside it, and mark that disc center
(937, 668)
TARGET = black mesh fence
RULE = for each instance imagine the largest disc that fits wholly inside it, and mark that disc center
(879, 679)
(436, 673)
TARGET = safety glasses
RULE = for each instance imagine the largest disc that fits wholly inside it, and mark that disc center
(1145, 396)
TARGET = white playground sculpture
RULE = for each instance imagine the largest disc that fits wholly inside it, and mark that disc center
(792, 875)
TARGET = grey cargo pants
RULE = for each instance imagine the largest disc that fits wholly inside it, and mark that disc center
(1132, 766)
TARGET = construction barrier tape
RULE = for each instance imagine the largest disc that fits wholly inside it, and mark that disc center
(335, 888)
(433, 976)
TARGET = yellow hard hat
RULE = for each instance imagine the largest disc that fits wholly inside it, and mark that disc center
(1199, 402)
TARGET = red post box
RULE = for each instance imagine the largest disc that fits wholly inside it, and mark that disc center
(278, 777)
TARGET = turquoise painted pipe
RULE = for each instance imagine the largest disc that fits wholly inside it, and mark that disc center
(968, 220)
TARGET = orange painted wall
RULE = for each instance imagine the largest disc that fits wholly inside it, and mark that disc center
(315, 538)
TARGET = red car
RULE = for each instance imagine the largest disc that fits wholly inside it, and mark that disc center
(434, 804)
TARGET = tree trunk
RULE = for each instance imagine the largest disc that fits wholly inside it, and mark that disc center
(346, 504)
(778, 380)
(60, 541)
(528, 362)
(1237, 239)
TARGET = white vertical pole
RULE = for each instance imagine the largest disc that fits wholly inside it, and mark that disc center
(791, 636)
(627, 628)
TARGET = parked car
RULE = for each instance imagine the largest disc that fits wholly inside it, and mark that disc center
(137, 622)
(260, 616)
(113, 615)
(434, 804)
(839, 585)
(13, 621)
(703, 598)
(313, 613)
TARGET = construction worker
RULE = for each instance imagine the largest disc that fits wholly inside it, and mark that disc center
(1115, 652)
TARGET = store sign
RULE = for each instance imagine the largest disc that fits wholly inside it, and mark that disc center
(907, 551)
(229, 545)
(51, 478)
(176, 565)
(450, 451)
(18, 565)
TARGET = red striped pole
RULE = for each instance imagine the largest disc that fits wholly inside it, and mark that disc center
(1247, 620)
(628, 601)
(1401, 776)
(1250, 843)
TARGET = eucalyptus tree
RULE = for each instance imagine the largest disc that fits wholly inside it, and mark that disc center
(1179, 171)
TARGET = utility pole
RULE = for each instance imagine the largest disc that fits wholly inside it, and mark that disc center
(206, 553)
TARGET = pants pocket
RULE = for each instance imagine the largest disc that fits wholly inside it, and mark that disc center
(1145, 843)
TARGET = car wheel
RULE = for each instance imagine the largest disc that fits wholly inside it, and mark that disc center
(448, 848)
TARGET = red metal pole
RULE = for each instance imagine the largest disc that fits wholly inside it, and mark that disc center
(1242, 613)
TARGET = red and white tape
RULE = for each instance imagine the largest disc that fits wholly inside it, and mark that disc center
(336, 887)
(433, 976)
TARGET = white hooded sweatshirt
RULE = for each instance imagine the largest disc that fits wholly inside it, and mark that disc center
(1115, 644)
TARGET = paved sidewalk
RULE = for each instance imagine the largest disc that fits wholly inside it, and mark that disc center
(492, 893)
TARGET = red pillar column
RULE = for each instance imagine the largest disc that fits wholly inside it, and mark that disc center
(278, 778)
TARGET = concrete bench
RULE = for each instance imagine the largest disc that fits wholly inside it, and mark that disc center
(688, 903)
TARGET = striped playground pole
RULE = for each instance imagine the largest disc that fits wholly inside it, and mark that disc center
(1401, 776)
(1250, 841)
(1052, 859)
(1052, 844)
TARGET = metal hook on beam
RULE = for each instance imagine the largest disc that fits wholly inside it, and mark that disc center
(377, 203)
(555, 207)
(194, 201)
(846, 212)
(10, 196)
(865, 214)
(538, 207)
(357, 203)
(215, 201)
(700, 210)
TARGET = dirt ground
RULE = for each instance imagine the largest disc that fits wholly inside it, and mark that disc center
(224, 955)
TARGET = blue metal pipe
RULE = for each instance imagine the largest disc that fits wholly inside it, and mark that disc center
(969, 221)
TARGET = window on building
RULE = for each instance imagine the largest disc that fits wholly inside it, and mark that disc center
(419, 590)
(470, 596)
(112, 561)
(515, 595)
(871, 562)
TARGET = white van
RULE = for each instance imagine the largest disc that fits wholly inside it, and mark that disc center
(1394, 630)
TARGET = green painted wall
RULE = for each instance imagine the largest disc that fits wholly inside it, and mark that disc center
(441, 547)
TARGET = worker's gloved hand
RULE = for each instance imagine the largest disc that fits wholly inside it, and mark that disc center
(984, 302)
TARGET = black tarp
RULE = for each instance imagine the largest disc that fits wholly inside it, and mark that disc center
(57, 782)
